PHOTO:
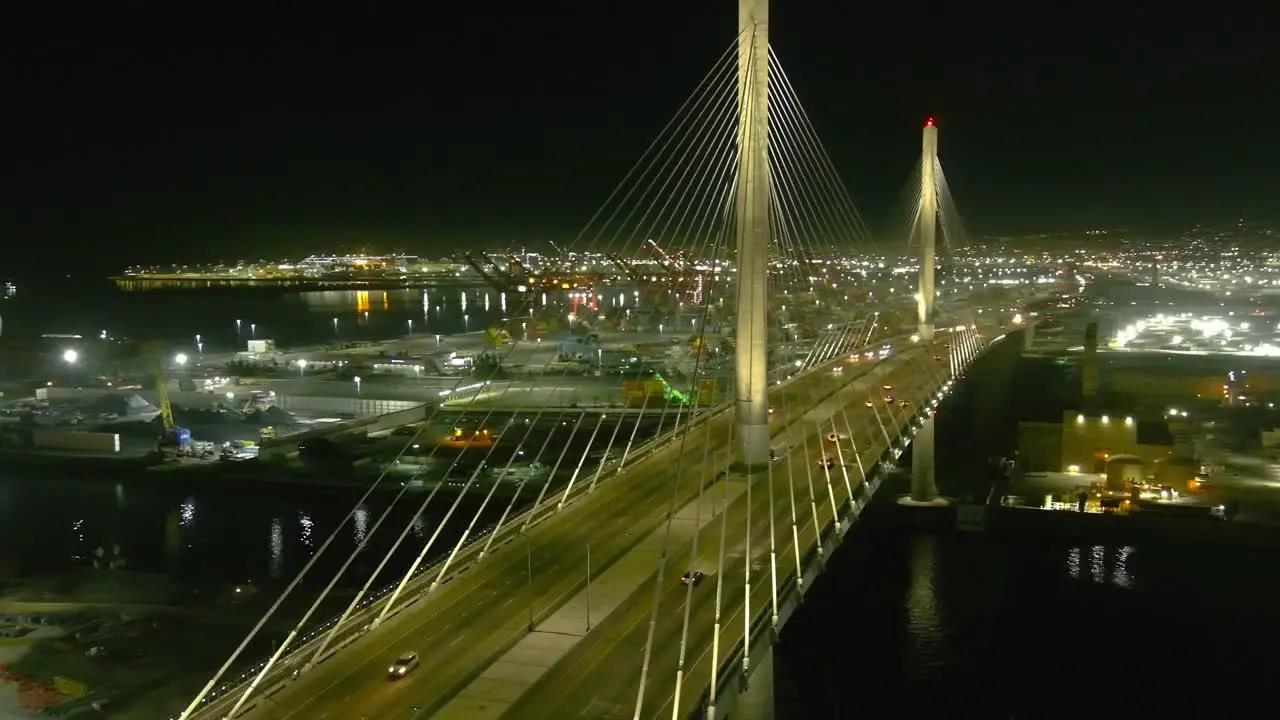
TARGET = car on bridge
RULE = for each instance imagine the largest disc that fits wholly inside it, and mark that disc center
(406, 663)
(693, 577)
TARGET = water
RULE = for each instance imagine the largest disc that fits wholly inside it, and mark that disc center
(964, 625)
(226, 318)
(967, 625)
(955, 624)
(202, 538)
(200, 535)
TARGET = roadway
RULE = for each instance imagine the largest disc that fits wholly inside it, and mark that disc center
(428, 388)
(473, 619)
(600, 677)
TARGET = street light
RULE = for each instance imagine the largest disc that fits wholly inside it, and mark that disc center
(70, 356)
(356, 380)
(180, 359)
(302, 366)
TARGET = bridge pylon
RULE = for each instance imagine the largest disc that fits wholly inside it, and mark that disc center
(753, 235)
(923, 487)
(928, 224)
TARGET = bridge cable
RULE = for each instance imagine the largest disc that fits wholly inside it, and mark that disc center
(472, 522)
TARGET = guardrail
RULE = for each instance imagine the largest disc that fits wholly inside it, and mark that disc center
(762, 629)
(290, 665)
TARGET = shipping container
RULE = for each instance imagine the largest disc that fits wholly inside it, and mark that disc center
(71, 440)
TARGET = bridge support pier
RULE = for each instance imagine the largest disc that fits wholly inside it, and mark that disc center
(923, 487)
(751, 355)
(758, 702)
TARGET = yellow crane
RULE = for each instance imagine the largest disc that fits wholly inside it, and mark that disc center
(170, 438)
(162, 395)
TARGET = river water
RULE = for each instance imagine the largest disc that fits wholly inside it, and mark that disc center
(920, 625)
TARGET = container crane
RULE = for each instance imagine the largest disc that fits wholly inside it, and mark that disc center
(622, 265)
(497, 270)
(162, 396)
(521, 267)
(494, 282)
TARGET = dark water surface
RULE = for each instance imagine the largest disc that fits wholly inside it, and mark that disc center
(918, 625)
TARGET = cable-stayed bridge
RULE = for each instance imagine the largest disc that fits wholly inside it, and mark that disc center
(648, 572)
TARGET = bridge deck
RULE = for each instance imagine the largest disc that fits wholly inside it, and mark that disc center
(600, 677)
(483, 611)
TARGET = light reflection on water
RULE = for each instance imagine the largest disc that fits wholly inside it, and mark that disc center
(204, 536)
(1101, 565)
(187, 512)
(276, 566)
(923, 599)
(360, 524)
(306, 525)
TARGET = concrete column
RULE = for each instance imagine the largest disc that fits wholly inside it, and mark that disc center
(751, 383)
(758, 702)
(928, 222)
(923, 488)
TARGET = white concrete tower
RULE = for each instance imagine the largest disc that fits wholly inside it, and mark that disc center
(751, 378)
(928, 222)
(923, 487)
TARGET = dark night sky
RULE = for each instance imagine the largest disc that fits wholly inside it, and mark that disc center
(480, 120)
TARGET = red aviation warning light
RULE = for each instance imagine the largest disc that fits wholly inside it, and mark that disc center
(928, 123)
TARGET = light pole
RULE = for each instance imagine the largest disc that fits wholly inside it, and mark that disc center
(356, 380)
(588, 586)
(180, 360)
(70, 357)
(302, 367)
(528, 564)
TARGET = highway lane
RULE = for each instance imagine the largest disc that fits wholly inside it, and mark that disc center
(471, 620)
(600, 678)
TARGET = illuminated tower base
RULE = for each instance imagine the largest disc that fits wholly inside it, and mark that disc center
(923, 487)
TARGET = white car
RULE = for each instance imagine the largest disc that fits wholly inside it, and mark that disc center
(406, 663)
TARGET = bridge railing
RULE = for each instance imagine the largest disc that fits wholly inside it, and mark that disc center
(762, 629)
